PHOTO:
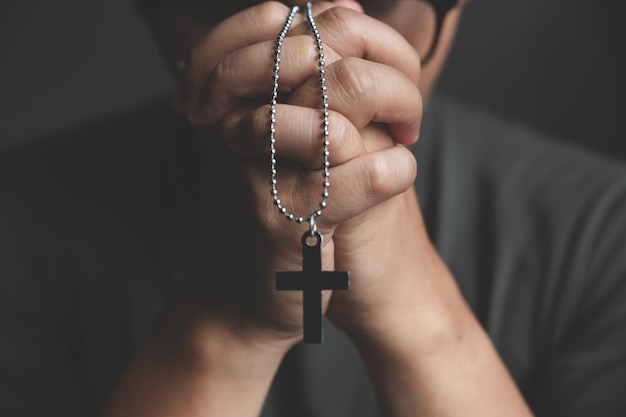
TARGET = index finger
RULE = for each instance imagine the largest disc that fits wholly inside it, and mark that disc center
(253, 25)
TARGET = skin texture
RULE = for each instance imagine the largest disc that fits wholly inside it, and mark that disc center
(217, 348)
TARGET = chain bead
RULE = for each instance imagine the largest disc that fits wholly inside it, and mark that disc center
(325, 115)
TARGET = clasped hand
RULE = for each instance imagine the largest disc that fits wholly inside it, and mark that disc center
(372, 225)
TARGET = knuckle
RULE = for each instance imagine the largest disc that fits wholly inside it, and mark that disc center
(271, 11)
(268, 9)
(342, 20)
(353, 80)
(388, 175)
(345, 139)
(380, 178)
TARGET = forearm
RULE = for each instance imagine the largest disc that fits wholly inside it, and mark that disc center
(434, 359)
(197, 368)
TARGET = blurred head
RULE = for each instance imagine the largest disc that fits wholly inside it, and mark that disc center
(429, 25)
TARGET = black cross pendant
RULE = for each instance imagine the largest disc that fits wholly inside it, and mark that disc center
(311, 281)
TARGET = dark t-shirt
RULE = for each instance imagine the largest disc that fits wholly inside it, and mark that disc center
(97, 225)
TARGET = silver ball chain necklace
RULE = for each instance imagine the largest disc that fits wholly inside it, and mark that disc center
(311, 280)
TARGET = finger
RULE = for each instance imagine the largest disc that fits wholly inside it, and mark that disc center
(234, 78)
(365, 92)
(354, 34)
(253, 25)
(376, 137)
(244, 73)
(367, 181)
(299, 135)
(355, 186)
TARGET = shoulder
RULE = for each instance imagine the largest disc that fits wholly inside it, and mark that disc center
(99, 188)
(511, 149)
(66, 194)
(110, 139)
(93, 222)
(95, 183)
(85, 207)
(515, 176)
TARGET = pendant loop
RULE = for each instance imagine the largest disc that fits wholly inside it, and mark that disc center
(312, 226)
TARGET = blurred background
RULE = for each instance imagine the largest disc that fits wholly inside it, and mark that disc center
(556, 65)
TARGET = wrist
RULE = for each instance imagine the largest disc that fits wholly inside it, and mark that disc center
(196, 365)
(239, 304)
(434, 358)
(206, 339)
(424, 312)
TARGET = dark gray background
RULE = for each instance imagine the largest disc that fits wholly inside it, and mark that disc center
(557, 65)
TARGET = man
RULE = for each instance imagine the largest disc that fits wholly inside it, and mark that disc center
(531, 232)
